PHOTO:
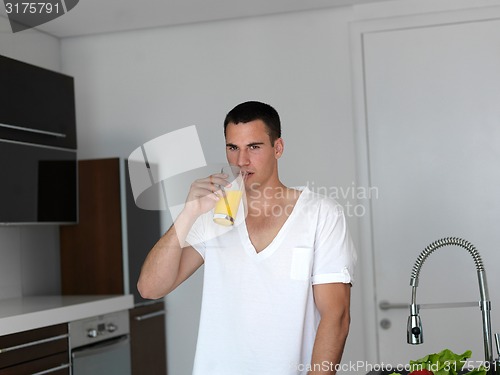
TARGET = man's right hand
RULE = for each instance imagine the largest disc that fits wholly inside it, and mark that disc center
(204, 194)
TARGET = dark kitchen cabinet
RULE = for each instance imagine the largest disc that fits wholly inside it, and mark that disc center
(104, 252)
(38, 105)
(147, 339)
(42, 350)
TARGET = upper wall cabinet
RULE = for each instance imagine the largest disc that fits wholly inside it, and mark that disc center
(37, 105)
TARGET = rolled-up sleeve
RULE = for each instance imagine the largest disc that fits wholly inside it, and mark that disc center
(334, 252)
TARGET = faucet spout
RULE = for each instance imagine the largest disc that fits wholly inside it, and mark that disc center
(414, 328)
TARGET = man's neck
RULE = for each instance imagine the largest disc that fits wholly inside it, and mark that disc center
(269, 192)
(277, 203)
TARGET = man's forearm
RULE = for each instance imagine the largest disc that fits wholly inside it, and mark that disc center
(160, 269)
(329, 345)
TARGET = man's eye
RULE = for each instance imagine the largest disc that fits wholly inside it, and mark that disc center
(254, 147)
(231, 148)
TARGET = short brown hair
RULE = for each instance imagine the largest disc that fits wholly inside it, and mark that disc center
(252, 110)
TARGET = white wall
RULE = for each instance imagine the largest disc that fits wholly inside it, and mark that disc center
(31, 46)
(29, 256)
(132, 87)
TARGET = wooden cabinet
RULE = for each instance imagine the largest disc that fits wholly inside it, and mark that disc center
(92, 251)
(104, 252)
(43, 350)
(147, 339)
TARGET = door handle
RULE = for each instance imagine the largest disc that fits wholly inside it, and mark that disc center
(385, 305)
(102, 347)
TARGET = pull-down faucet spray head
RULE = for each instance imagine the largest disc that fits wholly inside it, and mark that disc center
(414, 331)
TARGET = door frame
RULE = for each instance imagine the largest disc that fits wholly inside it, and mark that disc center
(375, 19)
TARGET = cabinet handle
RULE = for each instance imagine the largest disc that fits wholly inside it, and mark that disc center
(30, 130)
(32, 343)
(150, 315)
(54, 369)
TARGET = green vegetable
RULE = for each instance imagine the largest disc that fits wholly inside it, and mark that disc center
(446, 363)
(443, 363)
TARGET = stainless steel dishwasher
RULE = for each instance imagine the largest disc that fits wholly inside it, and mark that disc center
(101, 345)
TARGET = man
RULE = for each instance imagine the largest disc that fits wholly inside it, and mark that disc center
(276, 292)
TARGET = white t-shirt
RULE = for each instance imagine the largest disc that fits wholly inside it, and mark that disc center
(258, 314)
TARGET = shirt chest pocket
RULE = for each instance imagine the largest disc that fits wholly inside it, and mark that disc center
(302, 261)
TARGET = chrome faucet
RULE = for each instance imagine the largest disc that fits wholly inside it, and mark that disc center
(414, 327)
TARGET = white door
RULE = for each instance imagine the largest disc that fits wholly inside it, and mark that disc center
(432, 97)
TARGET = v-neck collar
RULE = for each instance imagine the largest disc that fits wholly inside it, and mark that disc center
(271, 248)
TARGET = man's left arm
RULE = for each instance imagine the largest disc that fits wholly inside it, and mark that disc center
(332, 301)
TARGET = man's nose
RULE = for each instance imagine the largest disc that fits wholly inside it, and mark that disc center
(243, 158)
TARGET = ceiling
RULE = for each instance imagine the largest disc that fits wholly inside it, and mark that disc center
(104, 16)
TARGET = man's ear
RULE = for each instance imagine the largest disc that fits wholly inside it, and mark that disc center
(279, 146)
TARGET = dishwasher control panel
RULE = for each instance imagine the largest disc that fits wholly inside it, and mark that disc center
(98, 328)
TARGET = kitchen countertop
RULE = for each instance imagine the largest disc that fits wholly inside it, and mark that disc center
(21, 314)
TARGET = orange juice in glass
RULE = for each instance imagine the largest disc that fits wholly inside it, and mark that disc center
(227, 207)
